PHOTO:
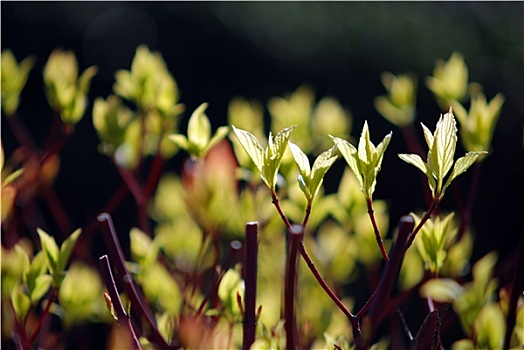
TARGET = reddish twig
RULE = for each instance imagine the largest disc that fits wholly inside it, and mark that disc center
(296, 232)
(123, 320)
(378, 237)
(250, 278)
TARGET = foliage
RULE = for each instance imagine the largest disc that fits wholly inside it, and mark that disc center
(320, 281)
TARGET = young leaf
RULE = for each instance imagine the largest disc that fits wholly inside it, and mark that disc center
(199, 141)
(311, 179)
(442, 150)
(67, 248)
(41, 286)
(21, 302)
(50, 250)
(199, 128)
(301, 160)
(365, 162)
(442, 145)
(37, 269)
(252, 147)
(266, 160)
(273, 155)
(462, 164)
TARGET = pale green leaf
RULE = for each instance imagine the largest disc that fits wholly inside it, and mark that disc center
(274, 154)
(442, 152)
(483, 269)
(441, 290)
(349, 152)
(181, 141)
(217, 137)
(320, 167)
(67, 248)
(37, 268)
(414, 159)
(41, 286)
(461, 165)
(366, 148)
(21, 302)
(50, 249)
(252, 147)
(279, 143)
(463, 344)
(199, 128)
(427, 135)
(301, 160)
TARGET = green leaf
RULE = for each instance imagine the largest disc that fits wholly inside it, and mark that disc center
(442, 150)
(67, 248)
(181, 141)
(252, 147)
(37, 268)
(300, 159)
(414, 159)
(442, 290)
(273, 156)
(349, 152)
(41, 286)
(50, 250)
(219, 135)
(21, 302)
(310, 179)
(199, 128)
(462, 164)
(442, 145)
(366, 160)
(320, 167)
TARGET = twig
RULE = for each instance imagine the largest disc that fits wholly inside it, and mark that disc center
(50, 301)
(316, 273)
(123, 320)
(140, 308)
(514, 293)
(389, 276)
(378, 237)
(250, 278)
(296, 232)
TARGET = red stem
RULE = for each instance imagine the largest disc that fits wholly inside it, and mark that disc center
(318, 276)
(50, 301)
(515, 291)
(378, 237)
(279, 209)
(296, 232)
(308, 213)
(426, 217)
(123, 320)
(139, 306)
(250, 278)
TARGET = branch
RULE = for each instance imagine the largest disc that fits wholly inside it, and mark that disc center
(140, 308)
(250, 278)
(296, 232)
(123, 319)
(378, 237)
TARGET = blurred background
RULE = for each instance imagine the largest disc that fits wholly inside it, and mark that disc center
(219, 50)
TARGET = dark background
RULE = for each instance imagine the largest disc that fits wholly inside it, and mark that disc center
(218, 50)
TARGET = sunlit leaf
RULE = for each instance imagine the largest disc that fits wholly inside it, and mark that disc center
(199, 128)
(50, 249)
(67, 248)
(300, 159)
(442, 290)
(21, 302)
(252, 147)
(462, 164)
